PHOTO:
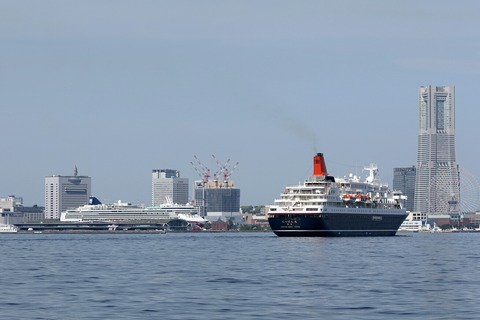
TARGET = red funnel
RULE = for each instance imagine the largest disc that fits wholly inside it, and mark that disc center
(319, 167)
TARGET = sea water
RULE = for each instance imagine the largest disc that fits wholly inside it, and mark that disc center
(239, 276)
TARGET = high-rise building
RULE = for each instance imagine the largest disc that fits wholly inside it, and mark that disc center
(168, 186)
(65, 192)
(404, 180)
(218, 200)
(437, 188)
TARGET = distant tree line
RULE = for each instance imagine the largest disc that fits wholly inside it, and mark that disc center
(252, 209)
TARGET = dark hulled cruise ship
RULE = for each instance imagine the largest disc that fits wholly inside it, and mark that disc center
(328, 206)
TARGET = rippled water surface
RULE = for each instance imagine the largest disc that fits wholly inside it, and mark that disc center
(239, 276)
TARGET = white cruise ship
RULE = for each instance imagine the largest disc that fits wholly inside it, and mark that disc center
(328, 206)
(124, 211)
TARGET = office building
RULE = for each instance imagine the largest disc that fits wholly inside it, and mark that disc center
(437, 188)
(404, 180)
(167, 185)
(65, 192)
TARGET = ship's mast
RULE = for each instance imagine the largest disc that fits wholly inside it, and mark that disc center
(373, 169)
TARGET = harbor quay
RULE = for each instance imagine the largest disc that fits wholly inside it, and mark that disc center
(92, 227)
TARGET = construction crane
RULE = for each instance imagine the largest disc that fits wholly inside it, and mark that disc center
(228, 173)
(204, 173)
(220, 167)
(225, 171)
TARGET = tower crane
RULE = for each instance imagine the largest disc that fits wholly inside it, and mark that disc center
(204, 173)
(224, 170)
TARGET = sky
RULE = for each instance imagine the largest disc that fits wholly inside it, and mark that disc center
(119, 88)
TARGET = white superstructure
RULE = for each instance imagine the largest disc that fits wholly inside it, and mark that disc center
(348, 194)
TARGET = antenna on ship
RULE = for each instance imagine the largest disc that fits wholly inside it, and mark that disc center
(373, 169)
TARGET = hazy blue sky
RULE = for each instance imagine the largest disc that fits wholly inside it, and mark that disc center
(119, 88)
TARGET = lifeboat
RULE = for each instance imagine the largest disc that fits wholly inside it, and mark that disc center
(359, 198)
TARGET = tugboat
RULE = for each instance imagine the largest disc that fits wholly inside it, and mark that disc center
(326, 206)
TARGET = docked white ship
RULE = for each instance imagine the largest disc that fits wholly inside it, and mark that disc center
(411, 225)
(125, 211)
(8, 228)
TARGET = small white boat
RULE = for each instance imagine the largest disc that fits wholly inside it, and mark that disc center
(8, 228)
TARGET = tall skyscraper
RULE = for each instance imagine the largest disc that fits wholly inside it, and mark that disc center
(167, 184)
(437, 188)
(64, 192)
(404, 180)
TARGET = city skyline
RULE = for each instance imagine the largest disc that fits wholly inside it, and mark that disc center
(119, 92)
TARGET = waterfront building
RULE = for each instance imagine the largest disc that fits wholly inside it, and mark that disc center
(167, 185)
(404, 180)
(437, 186)
(13, 211)
(10, 202)
(218, 200)
(256, 219)
(65, 192)
(219, 225)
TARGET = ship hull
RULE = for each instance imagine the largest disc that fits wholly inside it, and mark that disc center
(335, 224)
